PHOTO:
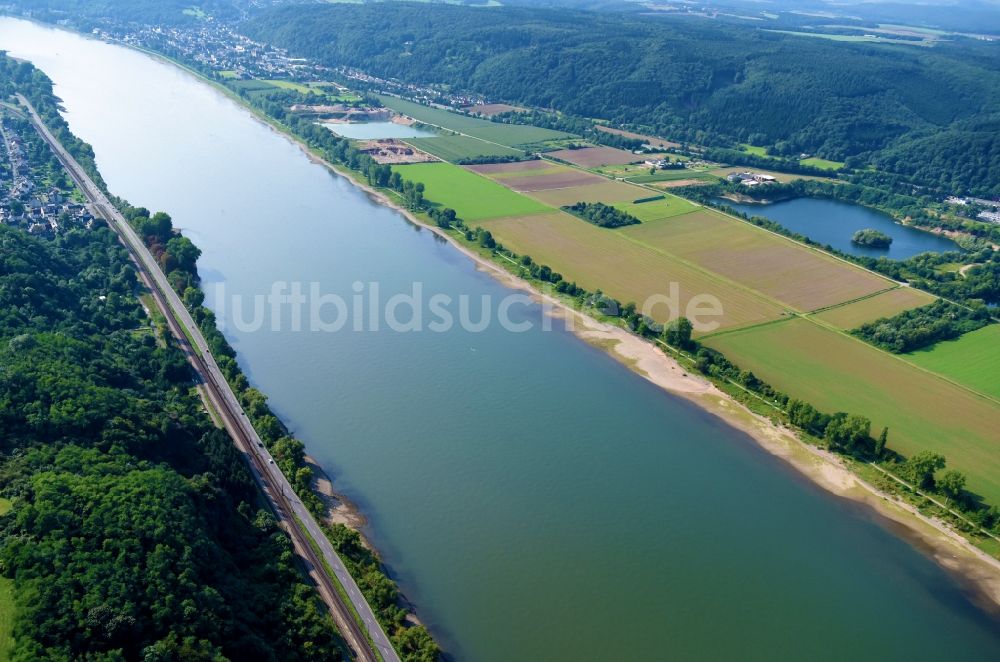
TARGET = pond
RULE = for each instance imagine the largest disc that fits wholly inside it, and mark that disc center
(376, 130)
(834, 222)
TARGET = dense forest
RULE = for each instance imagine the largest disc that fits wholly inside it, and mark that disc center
(917, 110)
(135, 530)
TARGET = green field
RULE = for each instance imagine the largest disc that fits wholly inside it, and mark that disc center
(887, 304)
(973, 360)
(252, 85)
(754, 149)
(824, 164)
(510, 135)
(472, 196)
(454, 148)
(655, 210)
(670, 176)
(836, 372)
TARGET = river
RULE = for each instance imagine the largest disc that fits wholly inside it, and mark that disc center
(833, 223)
(534, 498)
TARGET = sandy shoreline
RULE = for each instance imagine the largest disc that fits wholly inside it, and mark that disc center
(977, 572)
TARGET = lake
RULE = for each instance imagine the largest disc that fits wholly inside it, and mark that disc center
(534, 498)
(375, 130)
(833, 222)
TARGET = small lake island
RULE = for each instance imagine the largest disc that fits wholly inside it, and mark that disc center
(872, 239)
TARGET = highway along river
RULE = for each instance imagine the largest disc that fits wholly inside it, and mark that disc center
(535, 499)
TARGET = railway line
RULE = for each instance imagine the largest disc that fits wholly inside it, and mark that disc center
(324, 566)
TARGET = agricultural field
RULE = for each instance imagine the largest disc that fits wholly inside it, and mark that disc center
(667, 176)
(679, 183)
(595, 157)
(491, 109)
(972, 360)
(836, 372)
(541, 180)
(604, 191)
(786, 271)
(598, 258)
(455, 148)
(510, 135)
(824, 164)
(472, 196)
(886, 304)
(252, 85)
(515, 169)
(655, 210)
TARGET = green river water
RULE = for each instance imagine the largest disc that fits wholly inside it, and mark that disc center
(535, 499)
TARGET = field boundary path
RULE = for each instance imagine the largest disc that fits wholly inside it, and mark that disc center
(322, 563)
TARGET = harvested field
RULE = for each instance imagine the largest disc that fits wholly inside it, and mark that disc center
(972, 360)
(887, 304)
(456, 148)
(597, 258)
(507, 168)
(655, 210)
(791, 273)
(835, 372)
(491, 109)
(651, 140)
(604, 191)
(507, 177)
(678, 183)
(594, 157)
(472, 196)
(557, 180)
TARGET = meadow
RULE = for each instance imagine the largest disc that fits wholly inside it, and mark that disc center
(788, 272)
(472, 196)
(455, 148)
(655, 210)
(886, 304)
(824, 164)
(972, 360)
(510, 135)
(835, 372)
(597, 258)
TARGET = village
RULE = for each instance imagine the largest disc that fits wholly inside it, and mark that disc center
(30, 197)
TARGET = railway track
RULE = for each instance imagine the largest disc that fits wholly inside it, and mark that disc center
(324, 566)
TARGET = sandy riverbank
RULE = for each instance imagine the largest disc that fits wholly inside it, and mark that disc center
(975, 570)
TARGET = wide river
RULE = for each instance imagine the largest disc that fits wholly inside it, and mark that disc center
(535, 499)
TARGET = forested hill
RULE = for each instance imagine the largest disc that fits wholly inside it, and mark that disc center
(134, 530)
(704, 81)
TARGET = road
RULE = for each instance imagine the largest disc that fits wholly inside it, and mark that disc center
(291, 513)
